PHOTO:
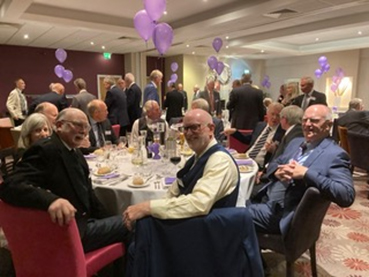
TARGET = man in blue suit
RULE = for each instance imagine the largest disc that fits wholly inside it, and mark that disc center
(314, 160)
(151, 90)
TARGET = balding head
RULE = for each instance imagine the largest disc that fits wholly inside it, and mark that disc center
(97, 110)
(49, 110)
(129, 78)
(316, 123)
(58, 88)
(199, 129)
(200, 103)
(152, 109)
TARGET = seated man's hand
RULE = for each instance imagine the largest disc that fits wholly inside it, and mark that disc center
(61, 211)
(229, 131)
(271, 146)
(284, 172)
(134, 212)
(299, 170)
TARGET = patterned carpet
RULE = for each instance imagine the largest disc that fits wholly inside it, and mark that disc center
(343, 246)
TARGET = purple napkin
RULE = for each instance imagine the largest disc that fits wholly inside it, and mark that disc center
(90, 156)
(110, 176)
(169, 180)
(231, 151)
(244, 162)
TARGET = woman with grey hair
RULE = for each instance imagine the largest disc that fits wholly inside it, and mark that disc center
(34, 128)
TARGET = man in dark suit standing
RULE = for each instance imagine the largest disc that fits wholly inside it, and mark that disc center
(213, 98)
(56, 97)
(83, 97)
(151, 90)
(173, 103)
(116, 101)
(184, 93)
(54, 176)
(246, 104)
(134, 95)
(101, 129)
(309, 96)
(312, 161)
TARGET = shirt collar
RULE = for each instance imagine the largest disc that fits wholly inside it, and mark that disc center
(154, 84)
(211, 143)
(289, 129)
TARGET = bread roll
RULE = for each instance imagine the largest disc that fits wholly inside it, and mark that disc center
(137, 180)
(104, 170)
(99, 152)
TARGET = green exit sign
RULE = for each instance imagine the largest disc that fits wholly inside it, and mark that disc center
(107, 56)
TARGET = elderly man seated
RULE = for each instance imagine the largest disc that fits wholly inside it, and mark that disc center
(151, 115)
(311, 161)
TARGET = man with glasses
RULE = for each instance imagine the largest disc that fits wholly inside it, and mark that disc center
(208, 180)
(54, 176)
(311, 161)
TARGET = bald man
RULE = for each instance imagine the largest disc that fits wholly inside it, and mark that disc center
(49, 110)
(209, 179)
(56, 97)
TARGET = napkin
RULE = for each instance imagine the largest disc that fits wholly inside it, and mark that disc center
(110, 176)
(231, 151)
(169, 180)
(244, 162)
(90, 156)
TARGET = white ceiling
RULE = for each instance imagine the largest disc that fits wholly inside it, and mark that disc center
(253, 32)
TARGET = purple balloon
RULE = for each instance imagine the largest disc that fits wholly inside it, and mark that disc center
(59, 70)
(212, 62)
(169, 84)
(335, 79)
(174, 66)
(67, 75)
(60, 55)
(162, 37)
(326, 67)
(174, 77)
(155, 8)
(220, 68)
(318, 73)
(322, 61)
(144, 25)
(334, 87)
(217, 44)
(268, 84)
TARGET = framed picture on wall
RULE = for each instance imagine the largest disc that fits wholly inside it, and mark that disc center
(101, 91)
(342, 94)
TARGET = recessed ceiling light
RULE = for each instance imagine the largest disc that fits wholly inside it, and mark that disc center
(165, 12)
(193, 53)
(262, 51)
(26, 36)
(92, 43)
(103, 47)
(205, 1)
(317, 39)
(227, 37)
(227, 46)
(187, 45)
(360, 33)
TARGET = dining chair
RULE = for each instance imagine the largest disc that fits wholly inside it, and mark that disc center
(303, 232)
(236, 144)
(116, 130)
(40, 247)
(342, 133)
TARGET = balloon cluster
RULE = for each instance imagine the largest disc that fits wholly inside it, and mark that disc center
(337, 79)
(174, 76)
(145, 22)
(324, 66)
(59, 70)
(266, 83)
(213, 62)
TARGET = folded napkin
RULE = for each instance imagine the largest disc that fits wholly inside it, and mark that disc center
(110, 176)
(169, 180)
(90, 156)
(244, 162)
(231, 151)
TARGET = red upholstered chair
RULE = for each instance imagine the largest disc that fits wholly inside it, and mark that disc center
(40, 247)
(116, 129)
(236, 144)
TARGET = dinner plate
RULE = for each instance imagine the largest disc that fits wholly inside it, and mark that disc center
(245, 168)
(240, 156)
(138, 186)
(186, 153)
(106, 174)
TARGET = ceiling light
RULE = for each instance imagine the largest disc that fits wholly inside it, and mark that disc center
(165, 12)
(317, 39)
(187, 45)
(360, 33)
(26, 36)
(227, 37)
(227, 46)
(193, 53)
(205, 1)
(103, 47)
(92, 43)
(262, 51)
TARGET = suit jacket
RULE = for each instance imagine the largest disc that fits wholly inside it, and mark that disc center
(219, 128)
(216, 98)
(81, 100)
(185, 102)
(60, 101)
(108, 135)
(134, 95)
(246, 104)
(355, 121)
(173, 103)
(328, 170)
(151, 93)
(13, 105)
(295, 132)
(116, 101)
(48, 171)
(251, 139)
(316, 98)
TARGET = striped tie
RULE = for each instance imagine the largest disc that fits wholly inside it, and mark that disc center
(259, 144)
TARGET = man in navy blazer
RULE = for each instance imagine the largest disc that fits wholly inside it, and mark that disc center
(116, 101)
(314, 160)
(134, 94)
(151, 90)
(310, 96)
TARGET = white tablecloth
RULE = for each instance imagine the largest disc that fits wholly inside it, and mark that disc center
(117, 197)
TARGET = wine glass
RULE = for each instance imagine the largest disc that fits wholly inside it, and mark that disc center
(175, 160)
(122, 142)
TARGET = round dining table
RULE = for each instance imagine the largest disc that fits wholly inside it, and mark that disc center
(116, 190)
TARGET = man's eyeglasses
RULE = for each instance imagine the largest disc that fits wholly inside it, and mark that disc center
(312, 120)
(193, 127)
(79, 125)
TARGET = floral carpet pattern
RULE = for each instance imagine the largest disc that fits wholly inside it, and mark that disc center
(343, 247)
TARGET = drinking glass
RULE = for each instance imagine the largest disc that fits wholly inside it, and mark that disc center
(122, 142)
